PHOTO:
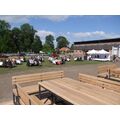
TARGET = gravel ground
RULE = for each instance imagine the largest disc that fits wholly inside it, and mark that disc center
(70, 71)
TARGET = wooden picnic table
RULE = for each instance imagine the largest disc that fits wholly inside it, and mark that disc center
(115, 73)
(117, 70)
(76, 92)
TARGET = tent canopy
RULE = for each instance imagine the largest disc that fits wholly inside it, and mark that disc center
(97, 52)
(92, 51)
(103, 52)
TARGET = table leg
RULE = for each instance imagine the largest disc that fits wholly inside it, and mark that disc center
(108, 76)
(39, 91)
(53, 99)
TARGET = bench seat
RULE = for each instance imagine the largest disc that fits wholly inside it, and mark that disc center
(29, 78)
(101, 82)
(103, 75)
(103, 70)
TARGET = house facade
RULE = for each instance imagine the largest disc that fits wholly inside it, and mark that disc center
(82, 47)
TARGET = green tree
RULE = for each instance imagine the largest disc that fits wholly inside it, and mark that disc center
(16, 38)
(27, 35)
(46, 48)
(4, 36)
(37, 44)
(49, 40)
(62, 42)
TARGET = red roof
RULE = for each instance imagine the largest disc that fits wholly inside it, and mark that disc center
(65, 49)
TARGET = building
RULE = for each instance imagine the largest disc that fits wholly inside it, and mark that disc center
(64, 49)
(106, 44)
(116, 51)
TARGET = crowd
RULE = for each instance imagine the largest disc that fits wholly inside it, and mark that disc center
(11, 61)
(35, 60)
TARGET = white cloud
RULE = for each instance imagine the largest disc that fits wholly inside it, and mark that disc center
(112, 35)
(55, 18)
(26, 18)
(15, 18)
(44, 33)
(68, 33)
(86, 36)
(89, 34)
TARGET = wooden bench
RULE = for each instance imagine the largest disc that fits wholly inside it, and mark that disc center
(103, 71)
(30, 78)
(115, 74)
(25, 99)
(101, 82)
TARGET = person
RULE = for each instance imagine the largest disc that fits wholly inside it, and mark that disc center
(90, 58)
(114, 57)
(9, 63)
(63, 60)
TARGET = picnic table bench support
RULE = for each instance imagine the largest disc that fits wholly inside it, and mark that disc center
(39, 91)
(51, 96)
(14, 99)
(109, 74)
(53, 99)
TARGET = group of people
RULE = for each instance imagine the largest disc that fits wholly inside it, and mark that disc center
(35, 60)
(78, 58)
(115, 58)
(11, 62)
(59, 61)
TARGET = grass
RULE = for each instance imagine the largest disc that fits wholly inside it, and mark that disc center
(45, 65)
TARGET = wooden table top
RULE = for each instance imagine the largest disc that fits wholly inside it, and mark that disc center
(79, 93)
(116, 69)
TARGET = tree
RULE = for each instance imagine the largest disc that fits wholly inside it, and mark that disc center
(62, 42)
(16, 38)
(4, 35)
(27, 35)
(37, 44)
(49, 40)
(46, 48)
(49, 44)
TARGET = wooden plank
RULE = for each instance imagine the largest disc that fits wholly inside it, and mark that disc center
(21, 102)
(104, 69)
(26, 99)
(72, 96)
(35, 101)
(37, 77)
(37, 74)
(32, 78)
(23, 95)
(31, 89)
(78, 89)
(104, 83)
(115, 73)
(89, 88)
(91, 91)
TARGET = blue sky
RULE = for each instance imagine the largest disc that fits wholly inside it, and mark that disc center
(75, 28)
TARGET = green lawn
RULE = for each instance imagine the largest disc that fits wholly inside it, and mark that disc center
(45, 65)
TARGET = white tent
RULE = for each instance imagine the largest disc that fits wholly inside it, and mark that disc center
(103, 52)
(90, 52)
(100, 55)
